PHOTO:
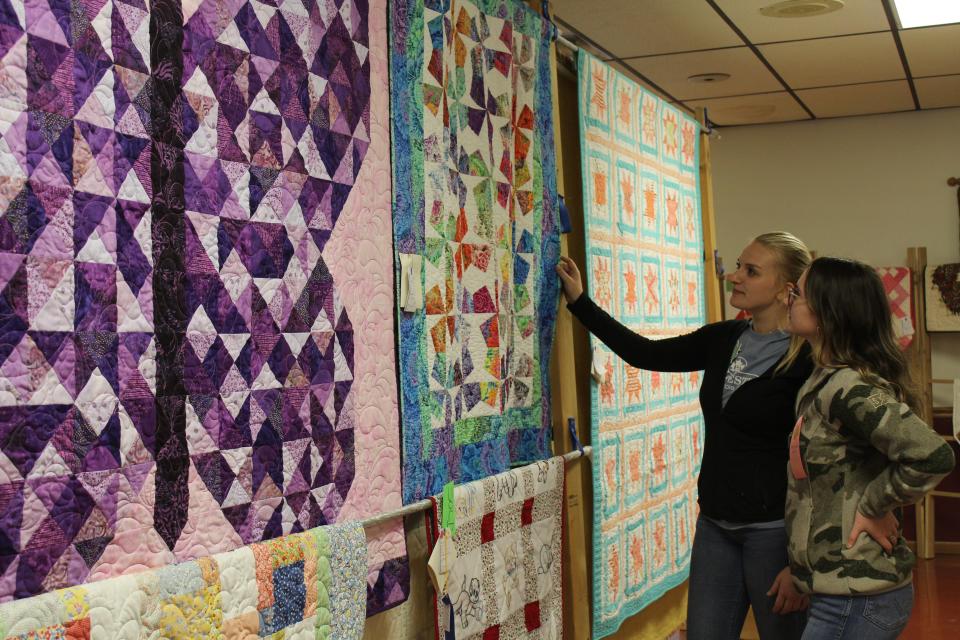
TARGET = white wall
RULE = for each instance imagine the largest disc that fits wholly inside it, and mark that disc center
(865, 187)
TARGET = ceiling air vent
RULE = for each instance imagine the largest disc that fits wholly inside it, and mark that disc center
(709, 77)
(801, 8)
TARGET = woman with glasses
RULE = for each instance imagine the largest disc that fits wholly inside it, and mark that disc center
(857, 454)
(752, 371)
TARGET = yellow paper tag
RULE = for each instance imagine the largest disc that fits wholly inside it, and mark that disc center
(441, 560)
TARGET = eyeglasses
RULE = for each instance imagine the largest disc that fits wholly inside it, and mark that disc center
(793, 294)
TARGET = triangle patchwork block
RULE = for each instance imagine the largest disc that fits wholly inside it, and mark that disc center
(95, 251)
(99, 108)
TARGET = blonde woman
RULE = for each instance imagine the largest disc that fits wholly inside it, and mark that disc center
(752, 371)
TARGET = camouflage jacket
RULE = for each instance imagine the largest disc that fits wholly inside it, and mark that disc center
(861, 450)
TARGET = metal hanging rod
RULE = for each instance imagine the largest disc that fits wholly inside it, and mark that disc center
(424, 504)
(569, 45)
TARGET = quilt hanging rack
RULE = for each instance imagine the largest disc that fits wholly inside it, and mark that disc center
(423, 505)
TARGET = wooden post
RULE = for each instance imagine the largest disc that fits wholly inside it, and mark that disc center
(919, 355)
(563, 381)
(570, 382)
(713, 286)
(955, 182)
(571, 369)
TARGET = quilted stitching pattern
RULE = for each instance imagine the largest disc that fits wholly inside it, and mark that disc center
(195, 355)
(292, 587)
(645, 268)
(76, 317)
(898, 283)
(475, 197)
(505, 577)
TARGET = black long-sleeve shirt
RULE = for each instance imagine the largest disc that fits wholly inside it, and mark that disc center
(745, 450)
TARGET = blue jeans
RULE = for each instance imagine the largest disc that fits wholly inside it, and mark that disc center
(878, 617)
(729, 572)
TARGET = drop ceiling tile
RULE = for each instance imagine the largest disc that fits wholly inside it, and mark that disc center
(629, 28)
(632, 74)
(857, 16)
(932, 51)
(747, 73)
(861, 99)
(833, 61)
(943, 91)
(754, 109)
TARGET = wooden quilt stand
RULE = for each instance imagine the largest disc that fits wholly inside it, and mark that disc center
(920, 362)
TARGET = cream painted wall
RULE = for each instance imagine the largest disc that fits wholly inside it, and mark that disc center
(864, 187)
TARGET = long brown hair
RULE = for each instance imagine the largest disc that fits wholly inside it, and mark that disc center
(856, 329)
(793, 258)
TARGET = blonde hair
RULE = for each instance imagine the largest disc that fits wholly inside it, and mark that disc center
(793, 258)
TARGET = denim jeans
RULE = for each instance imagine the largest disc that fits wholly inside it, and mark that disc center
(877, 617)
(730, 570)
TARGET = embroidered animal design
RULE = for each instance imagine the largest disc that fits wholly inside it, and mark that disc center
(542, 470)
(467, 604)
(467, 503)
(507, 484)
(511, 562)
(546, 560)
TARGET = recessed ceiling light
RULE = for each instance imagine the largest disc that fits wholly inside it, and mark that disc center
(801, 8)
(926, 13)
(709, 77)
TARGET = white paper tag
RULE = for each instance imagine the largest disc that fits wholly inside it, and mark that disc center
(903, 328)
(595, 372)
(411, 290)
(404, 292)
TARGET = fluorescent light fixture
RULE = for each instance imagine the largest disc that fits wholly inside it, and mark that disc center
(926, 13)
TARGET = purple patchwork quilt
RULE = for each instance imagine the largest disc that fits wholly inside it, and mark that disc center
(196, 333)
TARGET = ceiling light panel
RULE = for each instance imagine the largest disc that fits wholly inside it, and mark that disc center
(926, 13)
